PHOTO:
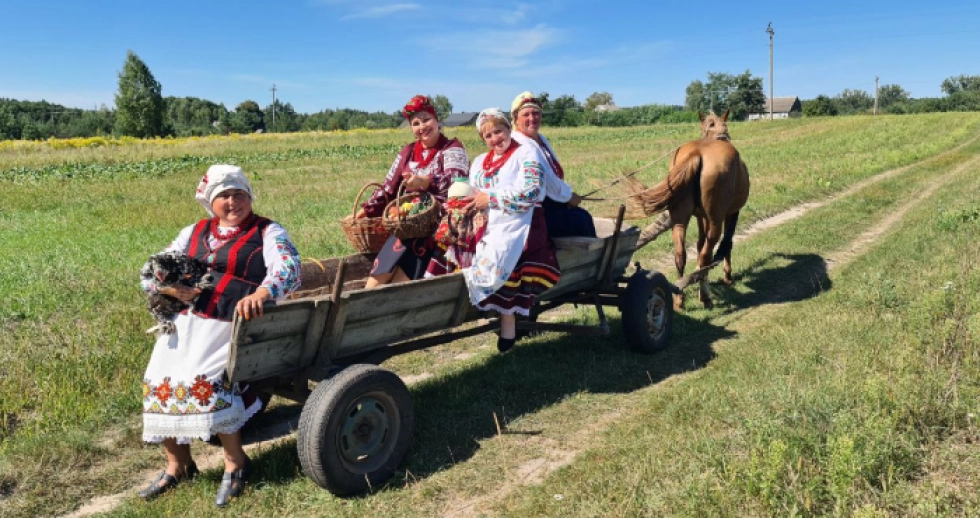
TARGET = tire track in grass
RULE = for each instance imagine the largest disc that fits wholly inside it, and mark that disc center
(552, 454)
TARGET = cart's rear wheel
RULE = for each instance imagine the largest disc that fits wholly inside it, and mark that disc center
(355, 429)
(647, 312)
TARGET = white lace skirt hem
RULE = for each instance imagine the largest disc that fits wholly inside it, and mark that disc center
(185, 428)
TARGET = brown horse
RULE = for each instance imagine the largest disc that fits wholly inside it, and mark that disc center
(709, 180)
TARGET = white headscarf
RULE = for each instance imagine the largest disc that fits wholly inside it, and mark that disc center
(218, 179)
(491, 113)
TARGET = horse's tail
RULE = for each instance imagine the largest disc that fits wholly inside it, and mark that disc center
(727, 239)
(679, 179)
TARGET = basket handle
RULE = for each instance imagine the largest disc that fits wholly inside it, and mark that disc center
(357, 198)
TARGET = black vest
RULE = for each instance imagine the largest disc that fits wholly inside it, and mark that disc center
(238, 266)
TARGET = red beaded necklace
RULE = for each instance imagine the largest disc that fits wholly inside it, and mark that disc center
(233, 233)
(491, 166)
(417, 153)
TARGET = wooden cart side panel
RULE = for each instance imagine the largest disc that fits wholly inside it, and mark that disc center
(276, 357)
(287, 322)
(393, 313)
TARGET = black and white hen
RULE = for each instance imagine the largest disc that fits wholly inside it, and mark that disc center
(168, 269)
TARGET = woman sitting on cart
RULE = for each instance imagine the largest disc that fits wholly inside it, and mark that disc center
(514, 261)
(428, 164)
(185, 392)
(561, 208)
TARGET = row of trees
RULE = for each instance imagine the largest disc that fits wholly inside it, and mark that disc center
(142, 111)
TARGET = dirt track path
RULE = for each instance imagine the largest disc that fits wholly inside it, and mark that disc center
(551, 455)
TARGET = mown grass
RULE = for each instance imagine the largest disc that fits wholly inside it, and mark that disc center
(73, 349)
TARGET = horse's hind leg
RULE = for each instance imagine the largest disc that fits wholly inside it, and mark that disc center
(725, 247)
(680, 257)
(705, 256)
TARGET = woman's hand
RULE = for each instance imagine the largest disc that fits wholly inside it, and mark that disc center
(417, 182)
(477, 203)
(360, 214)
(251, 306)
(182, 293)
(574, 200)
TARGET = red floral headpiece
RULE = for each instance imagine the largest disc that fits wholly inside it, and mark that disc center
(419, 104)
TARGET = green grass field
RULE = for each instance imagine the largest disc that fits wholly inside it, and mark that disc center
(839, 375)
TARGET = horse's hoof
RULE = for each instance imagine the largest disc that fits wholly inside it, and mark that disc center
(678, 303)
(727, 280)
(708, 304)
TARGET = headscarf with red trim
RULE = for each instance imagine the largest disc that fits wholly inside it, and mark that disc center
(418, 104)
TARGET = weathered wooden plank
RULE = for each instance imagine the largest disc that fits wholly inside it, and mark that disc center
(314, 331)
(265, 359)
(571, 258)
(280, 320)
(399, 298)
(580, 278)
(365, 334)
(579, 243)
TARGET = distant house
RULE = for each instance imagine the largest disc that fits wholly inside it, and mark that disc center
(611, 107)
(782, 108)
(460, 119)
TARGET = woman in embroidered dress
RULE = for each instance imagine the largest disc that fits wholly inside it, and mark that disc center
(514, 261)
(561, 208)
(431, 163)
(185, 393)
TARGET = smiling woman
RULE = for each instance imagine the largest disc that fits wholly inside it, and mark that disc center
(186, 394)
(429, 164)
(515, 261)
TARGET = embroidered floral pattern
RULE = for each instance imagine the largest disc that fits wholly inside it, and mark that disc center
(163, 392)
(201, 397)
(286, 277)
(202, 390)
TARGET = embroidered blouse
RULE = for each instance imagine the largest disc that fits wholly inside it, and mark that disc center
(281, 258)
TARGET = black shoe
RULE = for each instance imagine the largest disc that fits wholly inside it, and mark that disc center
(233, 484)
(504, 344)
(155, 489)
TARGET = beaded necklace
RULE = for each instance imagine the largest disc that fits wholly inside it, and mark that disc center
(491, 166)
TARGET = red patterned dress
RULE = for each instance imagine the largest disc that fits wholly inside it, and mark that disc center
(449, 162)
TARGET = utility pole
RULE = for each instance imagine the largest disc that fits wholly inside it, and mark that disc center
(876, 96)
(772, 99)
(273, 106)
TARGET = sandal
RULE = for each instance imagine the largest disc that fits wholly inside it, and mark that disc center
(233, 484)
(156, 489)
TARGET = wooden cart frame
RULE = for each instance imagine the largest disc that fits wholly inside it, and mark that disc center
(357, 422)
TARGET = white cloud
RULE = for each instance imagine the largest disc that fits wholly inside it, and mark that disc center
(381, 11)
(495, 49)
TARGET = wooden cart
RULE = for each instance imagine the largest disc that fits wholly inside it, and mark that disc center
(357, 422)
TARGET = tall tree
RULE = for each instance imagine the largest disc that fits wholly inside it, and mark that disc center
(597, 99)
(951, 85)
(139, 103)
(247, 118)
(695, 98)
(889, 95)
(742, 94)
(819, 107)
(443, 106)
(853, 101)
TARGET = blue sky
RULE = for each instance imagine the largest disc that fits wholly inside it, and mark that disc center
(375, 54)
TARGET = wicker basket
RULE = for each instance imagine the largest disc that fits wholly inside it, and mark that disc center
(367, 235)
(413, 226)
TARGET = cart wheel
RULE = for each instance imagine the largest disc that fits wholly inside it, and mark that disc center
(354, 429)
(647, 312)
